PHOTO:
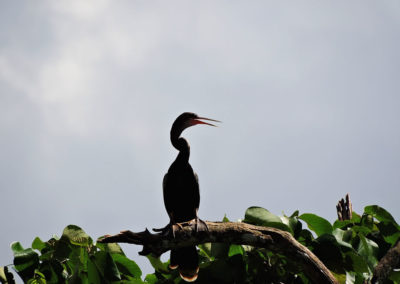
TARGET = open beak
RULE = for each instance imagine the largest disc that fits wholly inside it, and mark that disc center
(198, 121)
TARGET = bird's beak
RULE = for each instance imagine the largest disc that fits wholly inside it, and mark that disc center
(198, 121)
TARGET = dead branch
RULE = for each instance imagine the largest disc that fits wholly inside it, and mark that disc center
(344, 209)
(272, 239)
(388, 262)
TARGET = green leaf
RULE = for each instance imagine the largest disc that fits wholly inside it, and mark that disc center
(157, 264)
(369, 250)
(356, 262)
(106, 266)
(38, 244)
(16, 247)
(151, 278)
(341, 237)
(262, 217)
(235, 249)
(25, 261)
(76, 236)
(126, 266)
(380, 214)
(93, 273)
(110, 247)
(317, 224)
(205, 250)
(389, 231)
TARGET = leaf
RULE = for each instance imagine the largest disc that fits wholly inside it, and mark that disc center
(151, 278)
(262, 217)
(389, 231)
(205, 250)
(380, 214)
(16, 247)
(341, 236)
(25, 260)
(126, 266)
(317, 224)
(76, 236)
(106, 266)
(110, 247)
(235, 249)
(38, 244)
(369, 250)
(356, 263)
(93, 273)
(157, 264)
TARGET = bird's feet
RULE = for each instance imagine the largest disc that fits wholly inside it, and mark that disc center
(199, 225)
(169, 229)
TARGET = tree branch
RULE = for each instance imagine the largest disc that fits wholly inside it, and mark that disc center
(272, 239)
(387, 263)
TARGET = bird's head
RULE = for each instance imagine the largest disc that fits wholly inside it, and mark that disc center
(186, 120)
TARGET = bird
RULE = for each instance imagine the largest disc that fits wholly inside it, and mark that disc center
(182, 195)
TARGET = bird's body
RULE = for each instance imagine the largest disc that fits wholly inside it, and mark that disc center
(182, 195)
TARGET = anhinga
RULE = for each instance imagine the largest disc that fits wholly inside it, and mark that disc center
(182, 196)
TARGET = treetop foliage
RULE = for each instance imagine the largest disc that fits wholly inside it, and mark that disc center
(350, 249)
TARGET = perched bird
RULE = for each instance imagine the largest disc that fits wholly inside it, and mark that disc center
(182, 196)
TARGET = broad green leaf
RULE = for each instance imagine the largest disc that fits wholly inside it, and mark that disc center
(25, 261)
(76, 236)
(262, 217)
(151, 278)
(16, 247)
(327, 249)
(356, 262)
(379, 213)
(369, 250)
(293, 223)
(126, 266)
(93, 274)
(106, 266)
(341, 237)
(389, 231)
(317, 224)
(157, 264)
(235, 249)
(205, 250)
(110, 247)
(219, 250)
(38, 244)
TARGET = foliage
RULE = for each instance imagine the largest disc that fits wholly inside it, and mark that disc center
(350, 249)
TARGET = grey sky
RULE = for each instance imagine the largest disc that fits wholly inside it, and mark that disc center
(308, 93)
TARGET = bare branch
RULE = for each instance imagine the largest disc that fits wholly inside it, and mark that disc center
(344, 209)
(387, 263)
(272, 239)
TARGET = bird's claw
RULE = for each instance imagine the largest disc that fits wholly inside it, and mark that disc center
(203, 226)
(169, 229)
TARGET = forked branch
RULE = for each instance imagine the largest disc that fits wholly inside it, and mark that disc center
(272, 239)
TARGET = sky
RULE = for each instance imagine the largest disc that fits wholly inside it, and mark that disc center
(308, 93)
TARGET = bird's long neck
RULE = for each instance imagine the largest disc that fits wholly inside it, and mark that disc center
(182, 145)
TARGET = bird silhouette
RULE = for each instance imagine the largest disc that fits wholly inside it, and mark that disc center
(182, 196)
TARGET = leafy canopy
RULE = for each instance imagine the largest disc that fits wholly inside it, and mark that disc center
(350, 249)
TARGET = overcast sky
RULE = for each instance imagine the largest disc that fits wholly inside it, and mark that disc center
(308, 93)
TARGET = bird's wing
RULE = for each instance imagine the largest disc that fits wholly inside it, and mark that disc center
(165, 194)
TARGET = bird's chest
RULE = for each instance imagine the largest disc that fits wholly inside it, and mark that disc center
(181, 181)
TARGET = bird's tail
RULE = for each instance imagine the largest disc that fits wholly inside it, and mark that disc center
(187, 261)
